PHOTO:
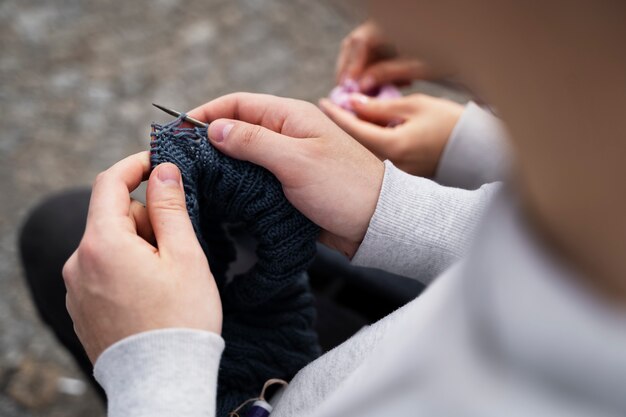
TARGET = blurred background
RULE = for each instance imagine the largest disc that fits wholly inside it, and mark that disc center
(76, 81)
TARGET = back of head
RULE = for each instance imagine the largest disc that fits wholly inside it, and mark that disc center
(556, 73)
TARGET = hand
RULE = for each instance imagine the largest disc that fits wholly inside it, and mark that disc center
(118, 282)
(367, 57)
(325, 174)
(416, 144)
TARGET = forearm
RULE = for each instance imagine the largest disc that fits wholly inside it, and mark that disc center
(477, 151)
(419, 228)
(168, 372)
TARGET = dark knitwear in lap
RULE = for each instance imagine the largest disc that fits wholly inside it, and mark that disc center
(268, 311)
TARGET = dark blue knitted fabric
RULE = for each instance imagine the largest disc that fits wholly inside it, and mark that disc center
(268, 311)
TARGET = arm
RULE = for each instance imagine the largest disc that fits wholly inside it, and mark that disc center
(476, 152)
(142, 297)
(161, 373)
(419, 228)
(457, 146)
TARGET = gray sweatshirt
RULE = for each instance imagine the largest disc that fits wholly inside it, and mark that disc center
(502, 330)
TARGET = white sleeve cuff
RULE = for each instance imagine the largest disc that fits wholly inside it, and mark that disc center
(166, 372)
(477, 151)
(420, 228)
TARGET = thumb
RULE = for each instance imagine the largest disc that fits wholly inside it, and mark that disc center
(382, 111)
(165, 200)
(253, 143)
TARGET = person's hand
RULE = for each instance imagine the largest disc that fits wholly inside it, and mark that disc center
(368, 58)
(138, 268)
(327, 175)
(420, 128)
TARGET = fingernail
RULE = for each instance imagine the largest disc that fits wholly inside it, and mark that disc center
(367, 83)
(168, 174)
(359, 98)
(219, 130)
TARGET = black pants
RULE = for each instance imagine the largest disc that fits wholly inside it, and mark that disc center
(48, 238)
(347, 297)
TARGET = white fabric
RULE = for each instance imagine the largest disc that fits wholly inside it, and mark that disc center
(168, 372)
(477, 151)
(420, 228)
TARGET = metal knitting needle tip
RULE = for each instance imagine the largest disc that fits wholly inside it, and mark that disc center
(186, 118)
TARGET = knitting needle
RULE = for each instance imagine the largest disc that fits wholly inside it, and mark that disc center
(186, 118)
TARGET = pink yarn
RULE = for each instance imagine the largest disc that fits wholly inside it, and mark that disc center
(340, 95)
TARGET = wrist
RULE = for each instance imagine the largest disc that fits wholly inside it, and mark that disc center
(367, 205)
(359, 215)
(345, 246)
(166, 371)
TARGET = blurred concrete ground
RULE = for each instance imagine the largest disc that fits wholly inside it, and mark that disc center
(76, 81)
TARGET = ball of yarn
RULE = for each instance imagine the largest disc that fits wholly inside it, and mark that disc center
(268, 310)
(340, 95)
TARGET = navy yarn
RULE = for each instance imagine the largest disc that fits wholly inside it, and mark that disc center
(268, 311)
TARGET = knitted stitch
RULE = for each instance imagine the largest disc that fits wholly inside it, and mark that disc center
(268, 310)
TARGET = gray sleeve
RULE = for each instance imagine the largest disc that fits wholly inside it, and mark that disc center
(419, 227)
(477, 152)
(167, 372)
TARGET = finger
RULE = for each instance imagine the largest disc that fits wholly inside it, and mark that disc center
(396, 71)
(259, 109)
(167, 211)
(357, 57)
(352, 47)
(342, 60)
(69, 305)
(110, 196)
(368, 134)
(138, 213)
(69, 269)
(254, 143)
(380, 111)
(356, 50)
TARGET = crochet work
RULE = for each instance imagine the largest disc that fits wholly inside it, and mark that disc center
(340, 95)
(268, 311)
